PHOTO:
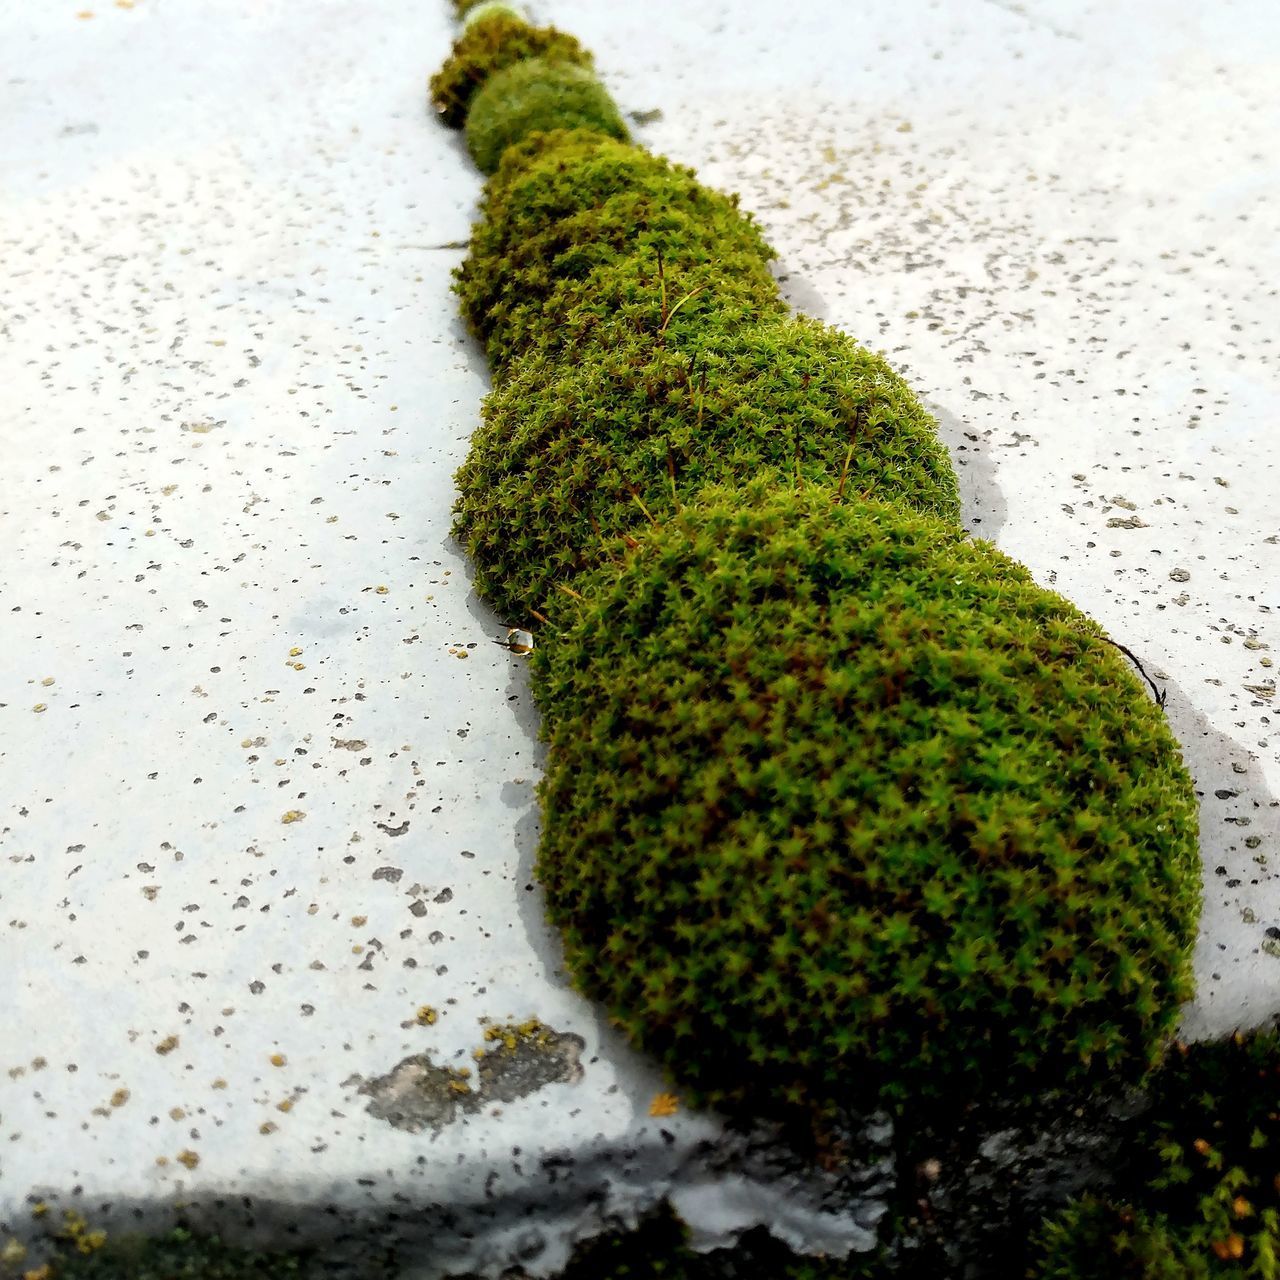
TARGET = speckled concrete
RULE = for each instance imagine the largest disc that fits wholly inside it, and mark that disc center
(267, 769)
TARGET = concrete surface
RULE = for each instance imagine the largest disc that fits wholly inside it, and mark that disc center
(267, 779)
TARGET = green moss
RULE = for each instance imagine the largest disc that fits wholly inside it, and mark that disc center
(536, 95)
(1098, 1241)
(559, 214)
(492, 8)
(571, 455)
(658, 1249)
(179, 1255)
(491, 42)
(625, 302)
(1201, 1194)
(553, 179)
(841, 805)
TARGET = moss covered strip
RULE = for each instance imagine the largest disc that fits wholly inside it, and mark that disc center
(839, 805)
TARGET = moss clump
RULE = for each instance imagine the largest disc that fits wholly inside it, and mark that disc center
(632, 300)
(553, 181)
(534, 95)
(1201, 1193)
(840, 805)
(492, 41)
(571, 456)
(559, 214)
(492, 8)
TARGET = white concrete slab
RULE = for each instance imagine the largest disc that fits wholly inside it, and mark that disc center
(268, 779)
(235, 396)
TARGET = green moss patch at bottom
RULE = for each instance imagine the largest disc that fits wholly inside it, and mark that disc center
(841, 805)
(1199, 1196)
(182, 1255)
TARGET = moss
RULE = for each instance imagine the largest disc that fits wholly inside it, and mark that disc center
(602, 294)
(1097, 1241)
(536, 95)
(493, 40)
(557, 177)
(1201, 1195)
(840, 805)
(178, 1255)
(571, 455)
(492, 8)
(557, 214)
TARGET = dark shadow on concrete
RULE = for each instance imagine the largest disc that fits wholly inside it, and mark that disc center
(982, 506)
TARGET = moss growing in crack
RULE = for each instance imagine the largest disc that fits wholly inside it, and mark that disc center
(834, 795)
(536, 95)
(572, 456)
(559, 213)
(840, 805)
(555, 180)
(495, 38)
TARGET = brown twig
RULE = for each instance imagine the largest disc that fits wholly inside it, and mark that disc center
(1161, 695)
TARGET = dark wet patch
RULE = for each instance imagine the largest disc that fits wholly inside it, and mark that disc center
(518, 1060)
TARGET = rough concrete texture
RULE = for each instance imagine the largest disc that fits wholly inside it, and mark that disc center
(268, 770)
